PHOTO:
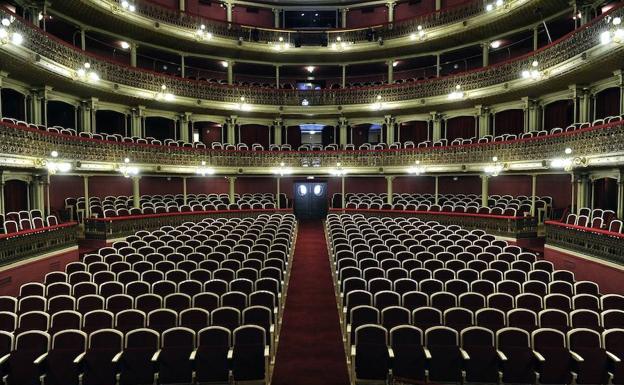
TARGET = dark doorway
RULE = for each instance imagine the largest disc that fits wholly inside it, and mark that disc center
(310, 200)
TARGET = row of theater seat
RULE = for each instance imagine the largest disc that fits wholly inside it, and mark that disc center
(596, 219)
(224, 278)
(15, 221)
(434, 283)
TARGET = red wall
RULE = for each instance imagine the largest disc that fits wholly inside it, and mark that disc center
(405, 10)
(510, 185)
(212, 11)
(207, 185)
(173, 4)
(463, 185)
(34, 271)
(556, 186)
(610, 279)
(357, 18)
(263, 18)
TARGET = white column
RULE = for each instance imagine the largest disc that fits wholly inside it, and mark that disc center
(342, 130)
(390, 71)
(620, 196)
(277, 76)
(484, 121)
(230, 72)
(136, 192)
(184, 127)
(389, 122)
(276, 18)
(484, 190)
(184, 193)
(533, 193)
(535, 38)
(232, 188)
(389, 180)
(183, 66)
(133, 54)
(438, 5)
(437, 126)
(573, 207)
(231, 133)
(83, 39)
(486, 53)
(390, 6)
(277, 133)
(344, 76)
(182, 5)
(2, 208)
(438, 65)
(437, 190)
(342, 191)
(277, 189)
(48, 209)
(87, 210)
(228, 8)
(343, 15)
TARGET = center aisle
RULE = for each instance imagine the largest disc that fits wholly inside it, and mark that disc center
(310, 350)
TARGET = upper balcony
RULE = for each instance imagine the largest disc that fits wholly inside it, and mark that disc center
(576, 58)
(469, 21)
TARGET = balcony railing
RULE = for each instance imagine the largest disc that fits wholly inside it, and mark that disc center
(117, 227)
(33, 143)
(505, 226)
(596, 243)
(24, 244)
(230, 30)
(569, 46)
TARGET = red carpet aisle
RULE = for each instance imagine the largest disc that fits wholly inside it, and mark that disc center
(310, 350)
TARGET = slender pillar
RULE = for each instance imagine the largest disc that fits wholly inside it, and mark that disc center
(184, 194)
(230, 72)
(133, 54)
(277, 133)
(87, 210)
(277, 189)
(535, 38)
(484, 190)
(390, 6)
(438, 5)
(484, 121)
(389, 134)
(593, 191)
(182, 5)
(389, 180)
(48, 208)
(620, 196)
(183, 66)
(342, 131)
(343, 17)
(486, 53)
(437, 190)
(277, 76)
(184, 127)
(342, 192)
(390, 71)
(437, 126)
(276, 18)
(228, 8)
(572, 199)
(438, 65)
(2, 208)
(232, 188)
(83, 39)
(344, 76)
(533, 193)
(136, 191)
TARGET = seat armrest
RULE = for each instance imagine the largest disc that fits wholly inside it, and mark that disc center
(611, 356)
(117, 357)
(576, 356)
(501, 355)
(539, 357)
(353, 351)
(79, 358)
(4, 358)
(464, 354)
(427, 353)
(193, 355)
(40, 359)
(391, 353)
(156, 355)
(267, 351)
(230, 354)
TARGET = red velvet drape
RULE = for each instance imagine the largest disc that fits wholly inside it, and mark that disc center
(159, 128)
(460, 127)
(360, 134)
(558, 114)
(608, 103)
(254, 133)
(415, 131)
(605, 194)
(294, 136)
(15, 195)
(509, 122)
(209, 132)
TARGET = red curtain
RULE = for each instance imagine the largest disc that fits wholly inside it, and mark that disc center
(360, 134)
(254, 133)
(294, 136)
(460, 127)
(208, 132)
(605, 194)
(559, 114)
(608, 103)
(415, 131)
(15, 195)
(509, 122)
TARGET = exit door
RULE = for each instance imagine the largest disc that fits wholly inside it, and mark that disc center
(310, 200)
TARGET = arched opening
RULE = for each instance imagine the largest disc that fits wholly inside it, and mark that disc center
(208, 132)
(460, 127)
(15, 195)
(508, 122)
(607, 103)
(111, 122)
(414, 131)
(292, 135)
(366, 133)
(13, 104)
(558, 114)
(253, 134)
(61, 114)
(160, 128)
(605, 194)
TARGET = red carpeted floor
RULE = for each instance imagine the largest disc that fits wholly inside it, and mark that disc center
(310, 350)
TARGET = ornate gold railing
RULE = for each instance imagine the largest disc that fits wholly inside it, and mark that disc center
(28, 142)
(224, 29)
(593, 242)
(67, 55)
(25, 244)
(504, 226)
(113, 228)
